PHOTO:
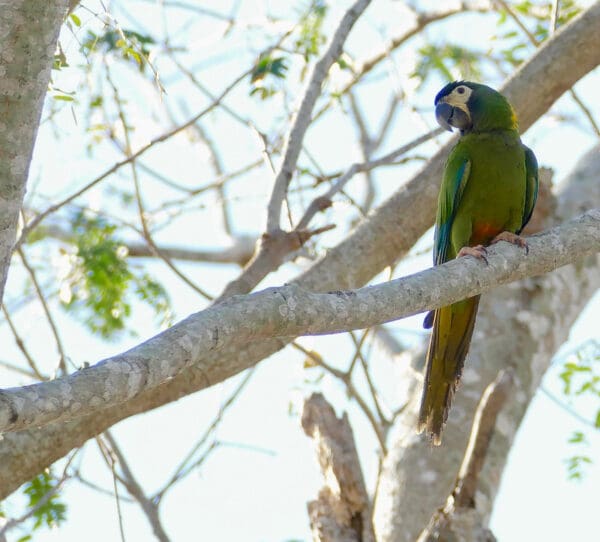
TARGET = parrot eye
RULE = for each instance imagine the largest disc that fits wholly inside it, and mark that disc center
(461, 90)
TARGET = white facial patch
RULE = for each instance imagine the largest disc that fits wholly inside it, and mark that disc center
(459, 97)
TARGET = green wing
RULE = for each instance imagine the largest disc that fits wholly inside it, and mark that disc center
(455, 179)
(531, 188)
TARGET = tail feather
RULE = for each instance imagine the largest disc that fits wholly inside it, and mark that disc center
(448, 347)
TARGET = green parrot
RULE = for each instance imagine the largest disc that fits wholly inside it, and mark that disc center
(488, 192)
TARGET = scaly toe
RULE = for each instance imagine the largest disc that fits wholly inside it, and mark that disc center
(511, 238)
(478, 251)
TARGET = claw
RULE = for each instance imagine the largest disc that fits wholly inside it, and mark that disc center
(478, 251)
(512, 238)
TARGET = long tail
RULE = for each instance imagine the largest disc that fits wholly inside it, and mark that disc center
(448, 347)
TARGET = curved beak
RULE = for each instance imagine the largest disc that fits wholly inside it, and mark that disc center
(449, 117)
(443, 114)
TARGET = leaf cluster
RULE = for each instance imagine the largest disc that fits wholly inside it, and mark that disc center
(129, 45)
(49, 510)
(581, 380)
(100, 280)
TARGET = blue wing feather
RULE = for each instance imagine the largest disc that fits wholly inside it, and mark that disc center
(455, 179)
(450, 194)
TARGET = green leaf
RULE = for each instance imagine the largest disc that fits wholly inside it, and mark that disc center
(577, 437)
(52, 512)
(97, 101)
(448, 61)
(100, 283)
(63, 98)
(127, 44)
(99, 278)
(597, 421)
(311, 35)
(76, 20)
(267, 65)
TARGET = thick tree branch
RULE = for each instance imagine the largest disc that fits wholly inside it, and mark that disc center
(342, 512)
(29, 30)
(289, 311)
(459, 520)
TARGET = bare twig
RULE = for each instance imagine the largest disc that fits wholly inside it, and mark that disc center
(372, 389)
(62, 363)
(571, 411)
(346, 378)
(422, 20)
(303, 117)
(135, 490)
(134, 156)
(239, 251)
(138, 195)
(342, 511)
(111, 461)
(187, 465)
(21, 345)
(320, 202)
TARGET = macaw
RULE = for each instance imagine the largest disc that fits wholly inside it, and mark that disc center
(488, 192)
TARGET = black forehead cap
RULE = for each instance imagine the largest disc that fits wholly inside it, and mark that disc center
(448, 89)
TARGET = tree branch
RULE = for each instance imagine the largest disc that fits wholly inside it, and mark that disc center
(459, 519)
(342, 512)
(290, 311)
(385, 235)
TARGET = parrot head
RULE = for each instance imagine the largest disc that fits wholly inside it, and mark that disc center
(472, 107)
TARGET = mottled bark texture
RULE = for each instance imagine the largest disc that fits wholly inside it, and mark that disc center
(458, 520)
(520, 326)
(28, 33)
(381, 239)
(289, 311)
(342, 511)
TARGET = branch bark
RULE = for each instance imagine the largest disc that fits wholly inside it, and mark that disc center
(381, 239)
(459, 520)
(29, 31)
(289, 311)
(342, 512)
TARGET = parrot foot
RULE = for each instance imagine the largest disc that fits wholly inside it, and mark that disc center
(512, 238)
(478, 251)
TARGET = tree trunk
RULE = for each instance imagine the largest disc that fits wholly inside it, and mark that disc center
(28, 33)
